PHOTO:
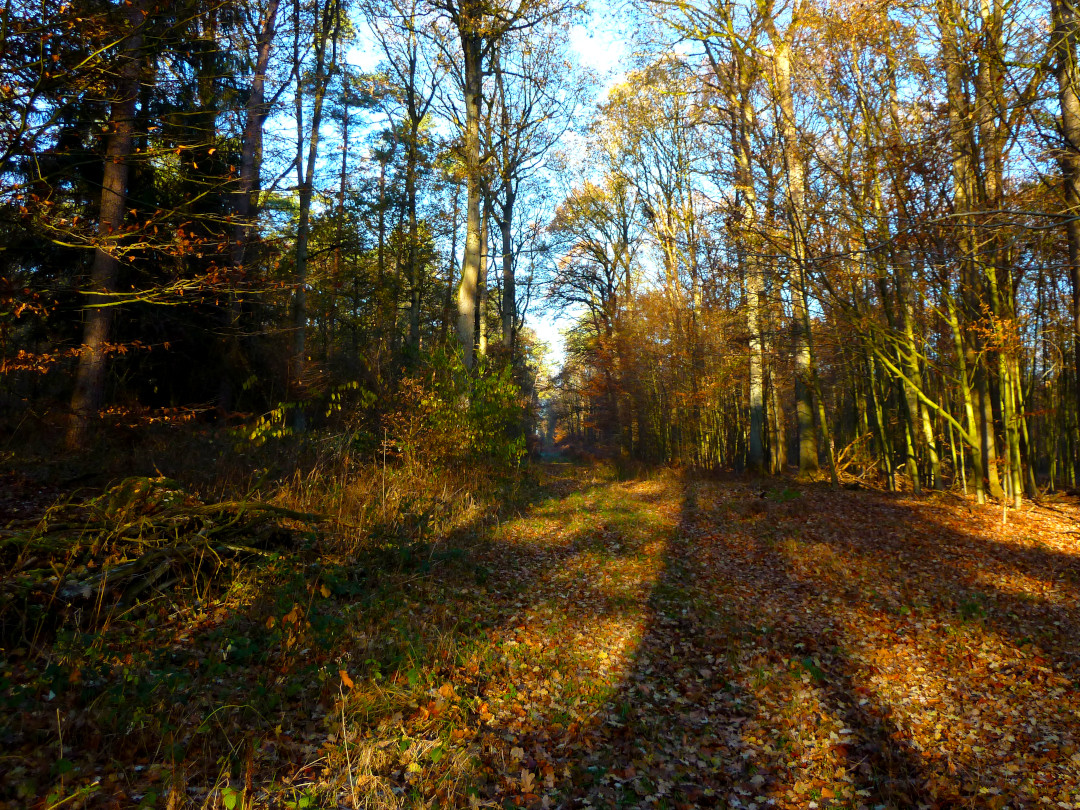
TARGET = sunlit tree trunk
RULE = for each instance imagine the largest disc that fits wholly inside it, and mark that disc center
(743, 112)
(793, 161)
(962, 141)
(967, 396)
(471, 44)
(482, 288)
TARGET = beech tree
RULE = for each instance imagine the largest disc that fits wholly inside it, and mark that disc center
(480, 30)
(870, 202)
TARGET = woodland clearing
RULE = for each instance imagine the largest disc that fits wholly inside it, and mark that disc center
(667, 641)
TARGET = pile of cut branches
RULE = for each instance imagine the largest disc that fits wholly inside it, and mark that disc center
(141, 538)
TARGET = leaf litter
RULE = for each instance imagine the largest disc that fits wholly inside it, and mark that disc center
(660, 643)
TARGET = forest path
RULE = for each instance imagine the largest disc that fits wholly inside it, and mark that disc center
(663, 642)
(683, 643)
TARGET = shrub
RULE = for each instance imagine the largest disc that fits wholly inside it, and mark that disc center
(443, 414)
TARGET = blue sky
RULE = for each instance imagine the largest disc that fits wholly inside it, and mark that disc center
(601, 44)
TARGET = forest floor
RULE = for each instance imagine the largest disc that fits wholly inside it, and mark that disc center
(665, 642)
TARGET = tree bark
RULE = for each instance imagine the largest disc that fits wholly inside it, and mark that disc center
(509, 300)
(326, 30)
(743, 114)
(245, 201)
(472, 45)
(448, 301)
(482, 287)
(411, 166)
(804, 388)
(1066, 33)
(98, 313)
(244, 205)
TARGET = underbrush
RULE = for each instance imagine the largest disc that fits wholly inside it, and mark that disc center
(158, 631)
(150, 637)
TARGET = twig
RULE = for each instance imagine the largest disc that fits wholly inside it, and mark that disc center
(345, 740)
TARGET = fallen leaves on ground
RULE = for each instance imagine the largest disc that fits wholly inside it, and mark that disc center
(661, 643)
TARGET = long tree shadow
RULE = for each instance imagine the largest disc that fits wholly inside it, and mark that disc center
(972, 631)
(699, 645)
(734, 686)
(249, 697)
(900, 635)
(570, 583)
(830, 648)
(659, 642)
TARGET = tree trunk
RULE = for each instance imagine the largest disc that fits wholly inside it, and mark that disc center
(968, 400)
(804, 396)
(411, 165)
(962, 142)
(471, 44)
(89, 390)
(1066, 34)
(743, 121)
(244, 204)
(326, 35)
(340, 237)
(509, 300)
(448, 301)
(482, 288)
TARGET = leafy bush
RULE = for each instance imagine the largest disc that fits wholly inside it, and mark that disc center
(444, 414)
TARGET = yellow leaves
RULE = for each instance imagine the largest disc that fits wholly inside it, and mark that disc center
(528, 781)
(446, 691)
(324, 591)
(293, 616)
(345, 679)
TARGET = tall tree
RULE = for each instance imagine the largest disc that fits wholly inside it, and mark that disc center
(480, 28)
(1066, 34)
(98, 313)
(314, 80)
(399, 25)
(537, 94)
